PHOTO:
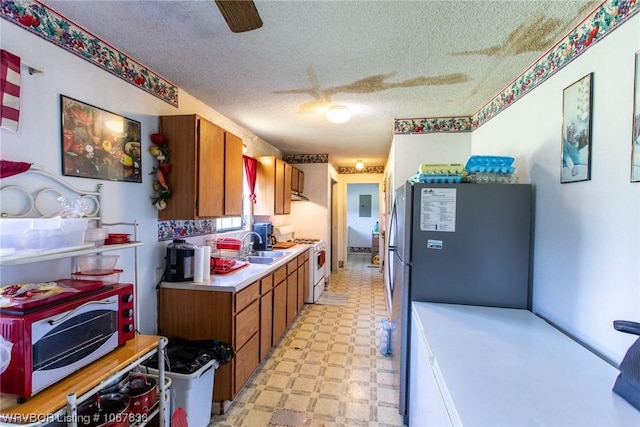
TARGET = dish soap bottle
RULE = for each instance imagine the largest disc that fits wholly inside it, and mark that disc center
(376, 227)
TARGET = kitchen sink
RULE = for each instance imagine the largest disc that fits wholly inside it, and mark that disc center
(270, 254)
(256, 259)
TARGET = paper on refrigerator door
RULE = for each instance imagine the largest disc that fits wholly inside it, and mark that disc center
(438, 209)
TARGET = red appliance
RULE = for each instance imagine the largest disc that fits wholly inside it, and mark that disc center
(55, 337)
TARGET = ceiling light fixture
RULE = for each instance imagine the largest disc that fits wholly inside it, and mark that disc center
(359, 165)
(338, 114)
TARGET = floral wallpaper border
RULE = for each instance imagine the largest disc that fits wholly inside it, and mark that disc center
(48, 24)
(176, 229)
(352, 170)
(306, 158)
(606, 18)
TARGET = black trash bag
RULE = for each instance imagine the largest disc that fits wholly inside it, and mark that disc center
(186, 357)
(627, 384)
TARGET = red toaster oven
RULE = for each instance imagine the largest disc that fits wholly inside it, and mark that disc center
(52, 338)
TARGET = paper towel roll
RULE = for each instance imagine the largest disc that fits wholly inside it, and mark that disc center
(207, 263)
(198, 268)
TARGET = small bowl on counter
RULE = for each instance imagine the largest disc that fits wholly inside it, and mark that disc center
(97, 264)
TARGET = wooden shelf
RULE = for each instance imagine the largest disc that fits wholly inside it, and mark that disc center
(54, 398)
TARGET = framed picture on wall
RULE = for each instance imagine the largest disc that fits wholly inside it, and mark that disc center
(635, 133)
(576, 130)
(99, 144)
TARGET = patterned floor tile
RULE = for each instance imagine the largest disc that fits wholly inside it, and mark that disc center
(327, 369)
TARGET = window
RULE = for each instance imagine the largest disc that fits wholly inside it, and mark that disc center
(228, 224)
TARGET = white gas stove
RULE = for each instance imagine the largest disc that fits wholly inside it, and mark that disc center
(318, 260)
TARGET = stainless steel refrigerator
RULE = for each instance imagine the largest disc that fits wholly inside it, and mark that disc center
(460, 244)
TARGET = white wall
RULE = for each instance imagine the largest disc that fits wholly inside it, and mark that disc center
(359, 228)
(38, 141)
(587, 234)
(410, 151)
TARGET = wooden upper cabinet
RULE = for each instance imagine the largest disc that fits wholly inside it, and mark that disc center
(210, 202)
(273, 187)
(286, 208)
(232, 175)
(300, 182)
(297, 180)
(206, 178)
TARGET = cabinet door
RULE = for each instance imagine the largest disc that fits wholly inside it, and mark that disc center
(246, 361)
(300, 182)
(286, 206)
(266, 324)
(279, 188)
(265, 186)
(210, 170)
(294, 179)
(307, 282)
(232, 175)
(279, 310)
(300, 287)
(292, 296)
(181, 135)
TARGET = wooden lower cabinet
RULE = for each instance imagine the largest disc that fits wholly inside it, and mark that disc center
(252, 320)
(292, 290)
(266, 324)
(301, 283)
(246, 361)
(189, 314)
(279, 310)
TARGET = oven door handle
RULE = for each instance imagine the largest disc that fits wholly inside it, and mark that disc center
(69, 314)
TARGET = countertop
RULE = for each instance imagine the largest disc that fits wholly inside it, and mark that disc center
(241, 278)
(508, 367)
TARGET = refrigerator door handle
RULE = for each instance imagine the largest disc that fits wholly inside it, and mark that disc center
(393, 229)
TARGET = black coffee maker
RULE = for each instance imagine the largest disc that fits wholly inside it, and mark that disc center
(265, 231)
(179, 263)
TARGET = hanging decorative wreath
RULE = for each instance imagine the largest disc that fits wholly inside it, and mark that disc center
(160, 150)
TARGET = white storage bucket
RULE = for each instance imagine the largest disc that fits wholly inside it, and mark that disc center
(192, 392)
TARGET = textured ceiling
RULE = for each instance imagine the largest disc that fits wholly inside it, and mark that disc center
(383, 59)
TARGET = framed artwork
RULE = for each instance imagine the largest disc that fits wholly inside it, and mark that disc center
(576, 131)
(635, 134)
(99, 144)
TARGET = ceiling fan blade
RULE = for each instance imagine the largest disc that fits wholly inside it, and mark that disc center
(241, 15)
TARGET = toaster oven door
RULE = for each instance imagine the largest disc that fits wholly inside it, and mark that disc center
(66, 342)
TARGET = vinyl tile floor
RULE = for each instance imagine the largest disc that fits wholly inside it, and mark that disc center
(327, 369)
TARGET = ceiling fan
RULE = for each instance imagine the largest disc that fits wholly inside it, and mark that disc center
(241, 15)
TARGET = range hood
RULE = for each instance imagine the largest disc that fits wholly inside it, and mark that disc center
(296, 197)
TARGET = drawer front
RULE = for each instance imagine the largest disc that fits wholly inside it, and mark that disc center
(292, 266)
(279, 275)
(247, 323)
(266, 284)
(246, 361)
(307, 254)
(247, 296)
(300, 259)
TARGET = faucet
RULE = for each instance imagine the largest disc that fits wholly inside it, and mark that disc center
(249, 233)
